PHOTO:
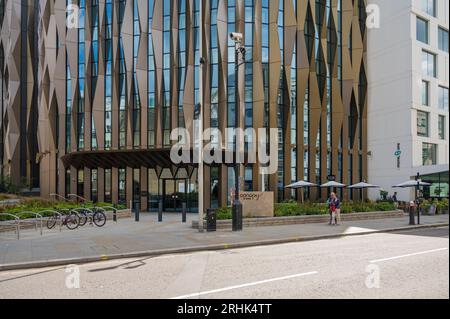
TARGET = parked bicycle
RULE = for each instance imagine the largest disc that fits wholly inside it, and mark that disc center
(70, 219)
(94, 215)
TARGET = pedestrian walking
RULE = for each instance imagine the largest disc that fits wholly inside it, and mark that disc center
(334, 205)
(395, 200)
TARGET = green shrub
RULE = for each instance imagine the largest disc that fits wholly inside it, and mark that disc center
(442, 205)
(286, 209)
(294, 209)
(290, 208)
(384, 206)
(321, 209)
(223, 213)
(7, 186)
(38, 205)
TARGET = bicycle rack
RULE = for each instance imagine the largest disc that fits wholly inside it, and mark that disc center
(63, 211)
(104, 211)
(16, 222)
(30, 222)
(114, 210)
(78, 197)
(55, 213)
(58, 196)
(81, 209)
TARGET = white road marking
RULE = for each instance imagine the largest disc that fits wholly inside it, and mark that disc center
(409, 255)
(245, 285)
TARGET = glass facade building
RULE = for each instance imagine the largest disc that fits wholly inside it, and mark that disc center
(130, 74)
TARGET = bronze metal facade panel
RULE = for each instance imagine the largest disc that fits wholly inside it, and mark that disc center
(305, 65)
(18, 99)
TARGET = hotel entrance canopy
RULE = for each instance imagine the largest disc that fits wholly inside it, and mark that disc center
(150, 158)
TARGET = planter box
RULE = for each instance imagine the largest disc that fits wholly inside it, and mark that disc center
(313, 219)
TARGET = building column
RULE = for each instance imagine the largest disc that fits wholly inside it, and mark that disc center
(115, 185)
(144, 188)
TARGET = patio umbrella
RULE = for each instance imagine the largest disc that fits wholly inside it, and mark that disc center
(362, 185)
(332, 184)
(414, 184)
(302, 185)
(411, 184)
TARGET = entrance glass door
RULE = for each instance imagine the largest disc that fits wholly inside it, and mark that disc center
(174, 193)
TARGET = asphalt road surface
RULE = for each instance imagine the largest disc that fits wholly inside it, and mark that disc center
(413, 264)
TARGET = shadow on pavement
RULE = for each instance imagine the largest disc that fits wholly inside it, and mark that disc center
(33, 274)
(128, 265)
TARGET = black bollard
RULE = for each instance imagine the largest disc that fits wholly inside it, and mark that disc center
(183, 214)
(137, 211)
(211, 220)
(237, 216)
(411, 214)
(160, 212)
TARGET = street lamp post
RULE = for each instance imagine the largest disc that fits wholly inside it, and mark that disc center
(417, 198)
(200, 132)
(237, 205)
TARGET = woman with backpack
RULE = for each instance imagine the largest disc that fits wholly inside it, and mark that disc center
(334, 206)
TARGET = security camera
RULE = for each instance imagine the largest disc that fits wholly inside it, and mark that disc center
(236, 37)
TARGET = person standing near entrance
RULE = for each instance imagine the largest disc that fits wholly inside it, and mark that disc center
(334, 205)
(395, 200)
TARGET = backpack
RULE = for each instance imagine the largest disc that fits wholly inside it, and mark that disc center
(333, 207)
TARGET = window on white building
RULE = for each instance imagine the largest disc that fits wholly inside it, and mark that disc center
(422, 30)
(429, 64)
(441, 127)
(429, 154)
(443, 39)
(422, 124)
(443, 98)
(426, 93)
(429, 6)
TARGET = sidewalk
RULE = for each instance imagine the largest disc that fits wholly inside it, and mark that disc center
(146, 238)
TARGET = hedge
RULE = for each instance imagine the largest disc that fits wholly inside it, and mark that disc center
(36, 205)
(295, 209)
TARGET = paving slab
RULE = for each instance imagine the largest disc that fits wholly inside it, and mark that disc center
(147, 237)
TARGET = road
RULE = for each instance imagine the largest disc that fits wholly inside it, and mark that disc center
(413, 264)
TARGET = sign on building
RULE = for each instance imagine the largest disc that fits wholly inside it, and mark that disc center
(257, 204)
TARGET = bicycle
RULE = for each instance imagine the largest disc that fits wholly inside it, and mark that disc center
(95, 215)
(71, 220)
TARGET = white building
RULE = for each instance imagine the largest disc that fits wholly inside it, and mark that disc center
(408, 76)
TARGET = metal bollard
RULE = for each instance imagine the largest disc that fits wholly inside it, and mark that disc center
(137, 211)
(411, 214)
(160, 211)
(237, 216)
(211, 221)
(183, 214)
